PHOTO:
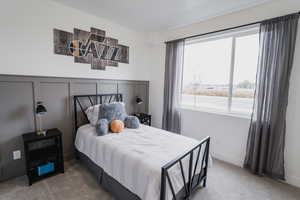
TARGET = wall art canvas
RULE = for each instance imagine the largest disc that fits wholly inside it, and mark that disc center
(92, 48)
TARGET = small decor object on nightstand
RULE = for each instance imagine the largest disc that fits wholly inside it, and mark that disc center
(40, 111)
(144, 118)
(43, 154)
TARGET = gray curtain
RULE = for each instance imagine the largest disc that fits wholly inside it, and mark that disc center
(173, 77)
(266, 139)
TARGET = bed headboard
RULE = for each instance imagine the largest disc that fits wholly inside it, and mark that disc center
(84, 101)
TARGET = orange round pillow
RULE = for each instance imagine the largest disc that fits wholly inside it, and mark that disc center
(116, 126)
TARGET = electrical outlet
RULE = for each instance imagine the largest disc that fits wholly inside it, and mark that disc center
(17, 155)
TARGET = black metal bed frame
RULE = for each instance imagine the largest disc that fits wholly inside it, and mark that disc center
(193, 179)
(94, 99)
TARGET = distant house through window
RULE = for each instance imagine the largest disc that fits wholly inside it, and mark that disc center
(220, 71)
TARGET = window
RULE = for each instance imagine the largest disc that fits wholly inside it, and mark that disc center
(219, 72)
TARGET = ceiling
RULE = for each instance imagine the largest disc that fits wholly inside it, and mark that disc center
(157, 15)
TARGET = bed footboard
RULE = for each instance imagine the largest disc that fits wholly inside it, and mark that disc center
(193, 179)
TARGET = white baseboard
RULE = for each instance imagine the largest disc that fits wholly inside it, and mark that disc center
(293, 180)
(232, 160)
(290, 179)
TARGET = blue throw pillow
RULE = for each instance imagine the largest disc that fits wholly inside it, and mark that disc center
(132, 122)
(112, 111)
(102, 127)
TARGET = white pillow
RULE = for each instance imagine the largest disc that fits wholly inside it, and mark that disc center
(92, 113)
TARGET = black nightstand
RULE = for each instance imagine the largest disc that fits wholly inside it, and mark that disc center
(43, 154)
(144, 118)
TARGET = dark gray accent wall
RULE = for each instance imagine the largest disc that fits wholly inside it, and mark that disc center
(19, 94)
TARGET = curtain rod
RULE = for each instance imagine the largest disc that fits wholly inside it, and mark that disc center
(227, 29)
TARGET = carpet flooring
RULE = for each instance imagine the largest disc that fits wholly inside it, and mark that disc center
(225, 182)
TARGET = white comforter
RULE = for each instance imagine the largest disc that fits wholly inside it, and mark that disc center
(135, 157)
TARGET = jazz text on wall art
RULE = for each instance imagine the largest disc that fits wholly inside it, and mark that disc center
(90, 47)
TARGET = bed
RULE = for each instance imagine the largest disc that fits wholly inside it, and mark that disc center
(145, 163)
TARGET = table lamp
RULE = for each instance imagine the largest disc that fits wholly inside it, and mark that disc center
(138, 100)
(40, 111)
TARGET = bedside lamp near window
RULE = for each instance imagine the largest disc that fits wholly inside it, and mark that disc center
(138, 100)
(40, 111)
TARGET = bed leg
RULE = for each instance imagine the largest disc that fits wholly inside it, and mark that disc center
(204, 182)
(163, 184)
(206, 161)
(76, 155)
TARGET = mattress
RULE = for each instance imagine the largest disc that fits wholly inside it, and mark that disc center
(134, 157)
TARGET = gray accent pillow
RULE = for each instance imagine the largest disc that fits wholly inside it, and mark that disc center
(132, 122)
(102, 127)
(112, 111)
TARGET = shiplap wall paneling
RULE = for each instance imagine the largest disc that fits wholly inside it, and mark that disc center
(55, 96)
(16, 118)
(81, 88)
(129, 93)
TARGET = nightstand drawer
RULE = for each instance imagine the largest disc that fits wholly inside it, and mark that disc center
(41, 144)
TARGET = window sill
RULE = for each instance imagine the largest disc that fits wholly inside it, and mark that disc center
(216, 112)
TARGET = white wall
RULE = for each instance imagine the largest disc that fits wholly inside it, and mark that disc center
(27, 42)
(156, 87)
(229, 134)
